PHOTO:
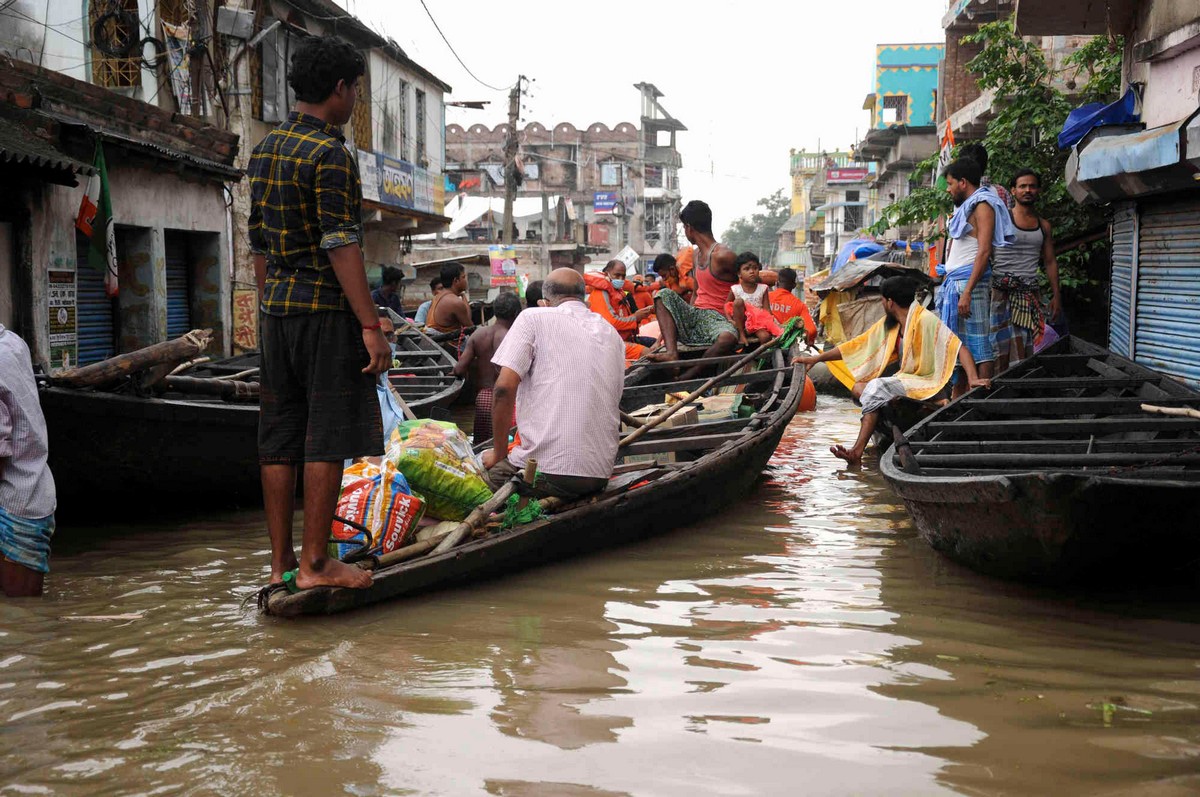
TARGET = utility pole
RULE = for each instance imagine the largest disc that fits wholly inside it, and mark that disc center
(510, 159)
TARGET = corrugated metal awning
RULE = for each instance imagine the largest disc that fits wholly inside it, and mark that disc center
(19, 145)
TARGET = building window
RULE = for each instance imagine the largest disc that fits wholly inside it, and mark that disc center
(895, 110)
(654, 176)
(119, 20)
(610, 173)
(852, 196)
(853, 217)
(421, 159)
(360, 117)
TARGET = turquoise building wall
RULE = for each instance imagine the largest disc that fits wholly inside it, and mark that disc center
(912, 70)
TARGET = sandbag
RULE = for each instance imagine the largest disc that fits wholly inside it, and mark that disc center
(377, 496)
(437, 460)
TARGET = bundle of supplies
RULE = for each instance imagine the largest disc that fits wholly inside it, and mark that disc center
(437, 460)
(376, 496)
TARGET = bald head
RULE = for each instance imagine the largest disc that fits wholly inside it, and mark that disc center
(563, 285)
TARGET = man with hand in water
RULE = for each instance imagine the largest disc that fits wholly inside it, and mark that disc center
(908, 334)
(322, 342)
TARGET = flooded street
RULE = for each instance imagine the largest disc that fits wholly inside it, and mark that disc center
(805, 642)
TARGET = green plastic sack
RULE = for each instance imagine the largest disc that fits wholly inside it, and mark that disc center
(436, 459)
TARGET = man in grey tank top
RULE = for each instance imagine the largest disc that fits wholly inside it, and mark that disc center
(1018, 317)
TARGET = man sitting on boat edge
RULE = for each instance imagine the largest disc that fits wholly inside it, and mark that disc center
(926, 349)
(562, 369)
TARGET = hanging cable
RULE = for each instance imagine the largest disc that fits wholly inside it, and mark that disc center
(455, 52)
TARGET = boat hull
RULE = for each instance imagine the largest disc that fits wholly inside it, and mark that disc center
(1056, 528)
(120, 455)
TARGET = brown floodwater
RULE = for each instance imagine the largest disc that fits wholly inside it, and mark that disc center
(804, 642)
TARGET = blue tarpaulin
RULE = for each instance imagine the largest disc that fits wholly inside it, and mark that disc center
(859, 247)
(1081, 120)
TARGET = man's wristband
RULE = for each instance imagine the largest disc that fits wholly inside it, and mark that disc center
(373, 327)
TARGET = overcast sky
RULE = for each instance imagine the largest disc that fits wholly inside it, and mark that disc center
(749, 79)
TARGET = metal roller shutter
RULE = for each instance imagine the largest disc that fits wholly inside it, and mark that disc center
(179, 297)
(1124, 254)
(93, 310)
(1167, 302)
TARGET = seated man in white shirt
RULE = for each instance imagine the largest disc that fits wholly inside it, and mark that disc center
(562, 369)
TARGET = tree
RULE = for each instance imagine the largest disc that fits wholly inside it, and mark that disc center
(1030, 111)
(759, 232)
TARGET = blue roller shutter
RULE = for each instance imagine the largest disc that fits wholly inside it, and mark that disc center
(93, 310)
(1167, 328)
(179, 296)
(1124, 253)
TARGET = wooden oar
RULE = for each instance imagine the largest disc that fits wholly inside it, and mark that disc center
(695, 394)
(408, 413)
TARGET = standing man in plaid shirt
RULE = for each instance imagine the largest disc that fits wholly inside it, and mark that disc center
(322, 346)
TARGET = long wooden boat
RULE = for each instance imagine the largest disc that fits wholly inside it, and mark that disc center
(716, 465)
(423, 372)
(122, 455)
(1057, 474)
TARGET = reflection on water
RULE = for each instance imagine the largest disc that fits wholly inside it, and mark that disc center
(805, 642)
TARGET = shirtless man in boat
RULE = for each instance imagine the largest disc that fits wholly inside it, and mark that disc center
(450, 311)
(894, 339)
(703, 323)
(476, 360)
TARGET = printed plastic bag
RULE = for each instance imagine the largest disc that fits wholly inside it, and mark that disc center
(377, 496)
(437, 460)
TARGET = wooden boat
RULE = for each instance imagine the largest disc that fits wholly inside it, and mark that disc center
(424, 373)
(124, 455)
(1057, 474)
(716, 465)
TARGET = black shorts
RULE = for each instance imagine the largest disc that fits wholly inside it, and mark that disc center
(316, 403)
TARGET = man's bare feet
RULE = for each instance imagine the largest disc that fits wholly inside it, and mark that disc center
(332, 573)
(663, 357)
(289, 562)
(852, 457)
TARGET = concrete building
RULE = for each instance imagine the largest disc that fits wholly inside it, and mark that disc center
(959, 97)
(170, 90)
(169, 176)
(902, 130)
(395, 134)
(832, 197)
(1145, 173)
(586, 193)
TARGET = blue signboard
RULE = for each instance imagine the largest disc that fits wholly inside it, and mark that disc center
(395, 182)
(603, 202)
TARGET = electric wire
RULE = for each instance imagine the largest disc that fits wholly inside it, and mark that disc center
(455, 52)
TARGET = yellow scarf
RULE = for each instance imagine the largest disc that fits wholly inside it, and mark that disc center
(930, 354)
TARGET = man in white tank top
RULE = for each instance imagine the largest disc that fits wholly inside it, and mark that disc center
(1017, 316)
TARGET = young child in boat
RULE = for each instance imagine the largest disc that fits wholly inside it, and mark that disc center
(748, 305)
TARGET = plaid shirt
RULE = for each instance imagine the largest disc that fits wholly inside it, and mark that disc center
(305, 198)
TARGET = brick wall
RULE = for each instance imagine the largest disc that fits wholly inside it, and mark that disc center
(958, 83)
(27, 86)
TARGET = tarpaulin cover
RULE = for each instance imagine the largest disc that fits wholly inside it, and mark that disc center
(1081, 120)
(859, 247)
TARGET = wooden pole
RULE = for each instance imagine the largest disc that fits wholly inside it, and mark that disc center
(113, 370)
(695, 394)
(1182, 412)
